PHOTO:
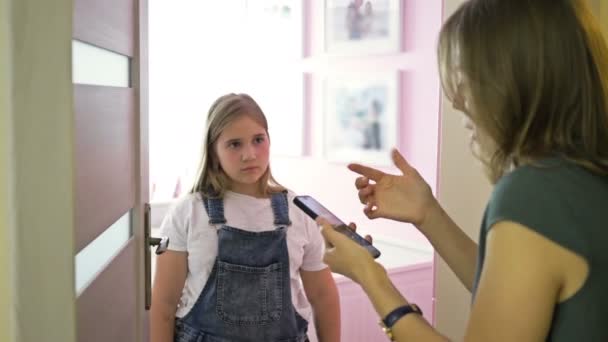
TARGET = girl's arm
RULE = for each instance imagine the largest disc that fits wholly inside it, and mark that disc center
(322, 294)
(171, 271)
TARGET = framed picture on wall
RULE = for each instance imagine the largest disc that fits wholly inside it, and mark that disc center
(362, 27)
(361, 117)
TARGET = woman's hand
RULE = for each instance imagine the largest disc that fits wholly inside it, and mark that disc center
(405, 198)
(343, 255)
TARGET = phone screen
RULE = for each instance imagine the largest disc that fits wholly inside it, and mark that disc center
(314, 209)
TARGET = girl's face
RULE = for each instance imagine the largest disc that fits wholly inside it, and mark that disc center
(243, 152)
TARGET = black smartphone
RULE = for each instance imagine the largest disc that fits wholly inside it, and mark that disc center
(314, 209)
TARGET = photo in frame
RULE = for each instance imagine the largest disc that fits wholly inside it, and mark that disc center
(362, 27)
(361, 117)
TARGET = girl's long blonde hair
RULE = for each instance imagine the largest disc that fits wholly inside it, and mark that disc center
(538, 74)
(211, 180)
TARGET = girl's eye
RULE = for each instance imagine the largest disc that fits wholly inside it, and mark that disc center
(234, 144)
(259, 140)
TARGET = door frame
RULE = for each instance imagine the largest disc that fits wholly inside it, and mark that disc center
(40, 174)
(140, 79)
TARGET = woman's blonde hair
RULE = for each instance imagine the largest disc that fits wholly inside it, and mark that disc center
(211, 180)
(538, 76)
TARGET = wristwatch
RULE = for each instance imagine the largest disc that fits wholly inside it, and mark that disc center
(387, 322)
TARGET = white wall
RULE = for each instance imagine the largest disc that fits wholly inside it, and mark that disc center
(463, 191)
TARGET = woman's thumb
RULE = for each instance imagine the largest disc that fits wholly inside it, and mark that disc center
(328, 233)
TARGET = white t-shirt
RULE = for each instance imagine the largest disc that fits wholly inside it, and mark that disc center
(187, 226)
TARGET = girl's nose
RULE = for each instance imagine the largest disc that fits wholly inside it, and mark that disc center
(248, 153)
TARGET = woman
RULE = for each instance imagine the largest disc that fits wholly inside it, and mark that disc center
(532, 79)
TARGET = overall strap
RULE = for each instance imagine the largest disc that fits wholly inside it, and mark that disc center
(215, 209)
(280, 208)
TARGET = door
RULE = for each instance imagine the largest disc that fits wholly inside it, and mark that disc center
(110, 168)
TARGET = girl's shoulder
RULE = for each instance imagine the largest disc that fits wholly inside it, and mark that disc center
(189, 199)
(185, 204)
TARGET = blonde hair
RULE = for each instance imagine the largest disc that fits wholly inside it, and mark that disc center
(538, 74)
(211, 180)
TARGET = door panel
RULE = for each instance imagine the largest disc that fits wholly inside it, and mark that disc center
(110, 24)
(105, 158)
(105, 308)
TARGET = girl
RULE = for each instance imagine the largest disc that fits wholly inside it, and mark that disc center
(532, 78)
(239, 247)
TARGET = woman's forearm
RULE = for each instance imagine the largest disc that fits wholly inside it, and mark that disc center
(385, 298)
(452, 244)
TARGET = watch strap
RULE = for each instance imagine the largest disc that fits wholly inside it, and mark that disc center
(398, 313)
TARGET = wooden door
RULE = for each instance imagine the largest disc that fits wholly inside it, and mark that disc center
(110, 168)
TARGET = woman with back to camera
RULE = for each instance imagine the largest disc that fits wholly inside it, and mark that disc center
(531, 77)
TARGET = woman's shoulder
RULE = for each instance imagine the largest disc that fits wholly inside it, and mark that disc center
(547, 190)
(545, 177)
(556, 198)
(528, 189)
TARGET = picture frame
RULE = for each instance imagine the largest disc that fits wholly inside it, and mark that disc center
(362, 27)
(361, 117)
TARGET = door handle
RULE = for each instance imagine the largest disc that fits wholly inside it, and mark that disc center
(161, 244)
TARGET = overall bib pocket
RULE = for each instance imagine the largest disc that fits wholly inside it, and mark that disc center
(248, 295)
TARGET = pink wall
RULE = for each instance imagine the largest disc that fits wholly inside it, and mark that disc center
(332, 183)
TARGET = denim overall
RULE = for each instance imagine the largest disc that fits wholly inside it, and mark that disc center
(248, 294)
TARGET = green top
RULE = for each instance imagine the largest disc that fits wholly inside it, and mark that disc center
(568, 205)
